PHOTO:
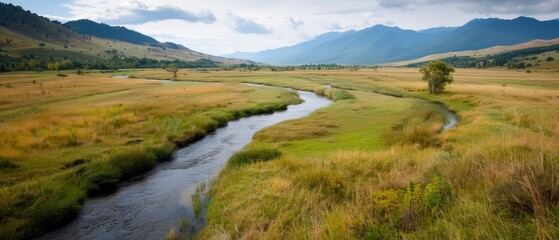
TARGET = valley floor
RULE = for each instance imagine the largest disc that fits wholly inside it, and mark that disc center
(373, 165)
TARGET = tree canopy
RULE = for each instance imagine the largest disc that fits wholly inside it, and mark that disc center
(437, 74)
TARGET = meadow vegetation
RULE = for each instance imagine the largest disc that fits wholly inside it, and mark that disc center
(373, 165)
(376, 166)
(66, 138)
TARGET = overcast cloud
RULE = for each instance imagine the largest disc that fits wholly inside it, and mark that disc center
(219, 27)
(521, 7)
(245, 25)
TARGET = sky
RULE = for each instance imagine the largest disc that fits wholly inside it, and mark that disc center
(219, 27)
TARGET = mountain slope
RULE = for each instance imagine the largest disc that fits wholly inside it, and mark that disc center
(479, 53)
(25, 35)
(16, 19)
(485, 33)
(100, 30)
(381, 44)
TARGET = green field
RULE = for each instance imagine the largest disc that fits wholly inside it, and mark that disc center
(373, 165)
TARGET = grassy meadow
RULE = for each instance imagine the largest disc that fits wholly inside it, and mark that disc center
(375, 166)
(65, 138)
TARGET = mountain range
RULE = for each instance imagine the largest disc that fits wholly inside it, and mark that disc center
(25, 34)
(382, 44)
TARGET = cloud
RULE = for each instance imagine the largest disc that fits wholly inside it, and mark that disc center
(389, 23)
(482, 6)
(135, 12)
(139, 16)
(245, 25)
(334, 26)
(295, 24)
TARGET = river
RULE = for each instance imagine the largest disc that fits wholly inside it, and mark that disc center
(149, 206)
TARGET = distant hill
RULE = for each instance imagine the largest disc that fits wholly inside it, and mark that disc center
(542, 58)
(29, 41)
(479, 53)
(101, 30)
(382, 44)
(16, 19)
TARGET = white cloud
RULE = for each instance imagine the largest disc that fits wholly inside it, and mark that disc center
(134, 12)
(295, 24)
(245, 25)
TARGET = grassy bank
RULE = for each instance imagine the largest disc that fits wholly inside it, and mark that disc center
(376, 167)
(64, 138)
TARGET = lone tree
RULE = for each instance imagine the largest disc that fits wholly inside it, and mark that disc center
(437, 74)
(174, 69)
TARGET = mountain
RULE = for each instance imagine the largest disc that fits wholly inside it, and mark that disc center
(104, 31)
(382, 44)
(437, 30)
(101, 30)
(26, 35)
(15, 19)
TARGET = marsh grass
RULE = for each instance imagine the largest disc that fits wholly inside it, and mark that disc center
(338, 95)
(249, 156)
(93, 132)
(420, 128)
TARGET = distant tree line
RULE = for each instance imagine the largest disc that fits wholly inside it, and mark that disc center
(40, 63)
(512, 60)
(329, 66)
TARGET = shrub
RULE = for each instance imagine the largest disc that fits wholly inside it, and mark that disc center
(436, 194)
(254, 155)
(402, 209)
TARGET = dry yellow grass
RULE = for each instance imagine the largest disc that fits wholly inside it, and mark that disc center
(30, 89)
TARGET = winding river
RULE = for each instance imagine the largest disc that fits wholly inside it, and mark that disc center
(148, 207)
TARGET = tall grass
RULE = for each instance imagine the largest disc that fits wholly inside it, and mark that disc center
(80, 145)
(253, 156)
(492, 177)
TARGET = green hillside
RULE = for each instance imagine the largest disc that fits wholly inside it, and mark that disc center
(101, 30)
(31, 42)
(537, 57)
